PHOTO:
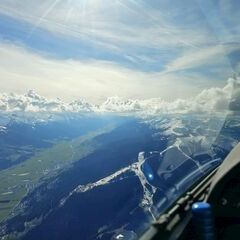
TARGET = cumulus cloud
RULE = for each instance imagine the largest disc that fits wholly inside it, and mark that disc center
(28, 102)
(210, 100)
(234, 104)
(118, 104)
(33, 102)
(213, 100)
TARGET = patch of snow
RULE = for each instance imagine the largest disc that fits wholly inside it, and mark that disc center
(148, 189)
(3, 129)
(23, 174)
(7, 193)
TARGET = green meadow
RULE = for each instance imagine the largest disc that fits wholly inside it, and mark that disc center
(17, 181)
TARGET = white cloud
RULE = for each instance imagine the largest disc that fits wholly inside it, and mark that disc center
(213, 100)
(184, 39)
(118, 104)
(22, 70)
(113, 25)
(128, 29)
(204, 57)
(94, 81)
(195, 58)
(33, 102)
(28, 102)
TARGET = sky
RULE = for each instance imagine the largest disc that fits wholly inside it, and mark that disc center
(93, 49)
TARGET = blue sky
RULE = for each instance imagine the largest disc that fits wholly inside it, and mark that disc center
(132, 48)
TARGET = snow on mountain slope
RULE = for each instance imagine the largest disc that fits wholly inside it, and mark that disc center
(148, 189)
(3, 129)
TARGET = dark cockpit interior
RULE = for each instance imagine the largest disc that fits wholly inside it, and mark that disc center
(221, 189)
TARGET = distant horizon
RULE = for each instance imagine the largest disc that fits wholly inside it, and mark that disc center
(207, 100)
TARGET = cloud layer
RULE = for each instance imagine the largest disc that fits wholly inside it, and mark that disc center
(32, 102)
(93, 80)
(208, 101)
